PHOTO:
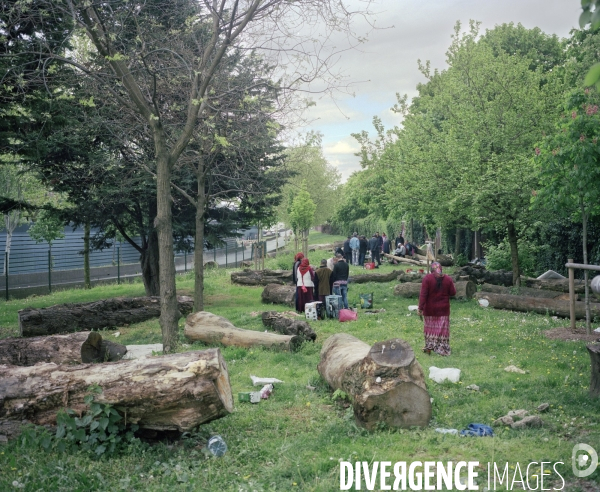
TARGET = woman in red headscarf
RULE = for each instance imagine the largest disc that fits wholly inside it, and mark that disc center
(434, 306)
(304, 285)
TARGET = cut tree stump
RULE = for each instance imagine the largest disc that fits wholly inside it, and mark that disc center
(594, 351)
(75, 348)
(279, 294)
(527, 291)
(107, 313)
(385, 381)
(262, 277)
(465, 290)
(210, 328)
(288, 326)
(537, 305)
(171, 392)
(375, 277)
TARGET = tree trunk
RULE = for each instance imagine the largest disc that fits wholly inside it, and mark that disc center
(262, 277)
(412, 229)
(279, 294)
(169, 311)
(385, 381)
(199, 239)
(171, 392)
(209, 328)
(404, 260)
(305, 241)
(376, 277)
(514, 253)
(457, 241)
(75, 348)
(526, 291)
(594, 351)
(288, 326)
(87, 281)
(537, 305)
(150, 265)
(107, 313)
(584, 217)
(443, 260)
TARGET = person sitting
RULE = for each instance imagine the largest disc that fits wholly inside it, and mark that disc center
(399, 251)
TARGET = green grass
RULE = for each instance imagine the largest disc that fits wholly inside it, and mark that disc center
(295, 440)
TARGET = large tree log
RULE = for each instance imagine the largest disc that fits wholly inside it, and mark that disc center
(559, 285)
(409, 277)
(279, 294)
(594, 351)
(107, 313)
(210, 328)
(537, 305)
(404, 260)
(262, 277)
(288, 326)
(375, 277)
(526, 291)
(385, 381)
(171, 392)
(75, 348)
(478, 275)
(445, 261)
(464, 289)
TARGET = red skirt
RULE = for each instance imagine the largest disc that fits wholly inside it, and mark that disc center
(303, 297)
(437, 334)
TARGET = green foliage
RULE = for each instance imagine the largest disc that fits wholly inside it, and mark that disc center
(302, 212)
(498, 257)
(47, 227)
(101, 431)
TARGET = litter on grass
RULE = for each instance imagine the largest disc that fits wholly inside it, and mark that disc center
(512, 368)
(484, 302)
(447, 431)
(477, 430)
(447, 374)
(256, 381)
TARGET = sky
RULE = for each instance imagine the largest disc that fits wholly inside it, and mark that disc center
(409, 30)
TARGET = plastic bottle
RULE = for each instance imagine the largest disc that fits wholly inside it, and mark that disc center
(265, 391)
(217, 446)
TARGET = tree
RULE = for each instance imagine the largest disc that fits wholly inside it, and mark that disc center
(302, 214)
(145, 49)
(568, 160)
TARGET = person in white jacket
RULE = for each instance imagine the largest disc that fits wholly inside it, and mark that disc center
(304, 285)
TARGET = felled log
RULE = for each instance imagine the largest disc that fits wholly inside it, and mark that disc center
(478, 275)
(594, 351)
(537, 305)
(465, 290)
(409, 277)
(317, 247)
(107, 313)
(374, 277)
(288, 326)
(171, 392)
(385, 381)
(210, 328)
(211, 264)
(279, 294)
(444, 260)
(74, 348)
(559, 285)
(404, 260)
(526, 291)
(262, 277)
(408, 289)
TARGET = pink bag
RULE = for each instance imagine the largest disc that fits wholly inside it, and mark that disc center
(347, 315)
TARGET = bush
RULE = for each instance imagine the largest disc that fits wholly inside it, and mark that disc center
(498, 257)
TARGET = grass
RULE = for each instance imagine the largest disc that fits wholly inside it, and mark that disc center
(295, 440)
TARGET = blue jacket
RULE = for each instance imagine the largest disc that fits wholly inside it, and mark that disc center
(354, 243)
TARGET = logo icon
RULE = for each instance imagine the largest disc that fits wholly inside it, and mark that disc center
(586, 462)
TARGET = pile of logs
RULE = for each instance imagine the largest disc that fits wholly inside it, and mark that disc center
(464, 290)
(262, 277)
(478, 275)
(385, 381)
(107, 313)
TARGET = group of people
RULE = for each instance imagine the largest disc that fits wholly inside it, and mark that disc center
(314, 285)
(355, 248)
(434, 298)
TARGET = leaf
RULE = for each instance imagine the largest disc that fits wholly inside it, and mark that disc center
(100, 449)
(585, 18)
(593, 75)
(60, 432)
(596, 19)
(585, 4)
(103, 423)
(94, 425)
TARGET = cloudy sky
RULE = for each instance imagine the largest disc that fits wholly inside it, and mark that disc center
(387, 63)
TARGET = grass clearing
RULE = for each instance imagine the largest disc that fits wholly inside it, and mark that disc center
(295, 440)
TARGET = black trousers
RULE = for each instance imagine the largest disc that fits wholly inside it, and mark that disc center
(376, 257)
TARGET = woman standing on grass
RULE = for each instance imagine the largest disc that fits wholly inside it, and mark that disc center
(434, 306)
(305, 285)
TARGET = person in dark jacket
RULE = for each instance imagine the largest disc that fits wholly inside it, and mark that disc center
(374, 248)
(297, 259)
(380, 243)
(347, 250)
(362, 250)
(398, 240)
(339, 279)
(322, 284)
(434, 306)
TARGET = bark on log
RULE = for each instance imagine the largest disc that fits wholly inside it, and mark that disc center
(409, 277)
(279, 294)
(527, 291)
(262, 277)
(210, 328)
(409, 289)
(75, 348)
(537, 305)
(404, 260)
(464, 289)
(399, 399)
(171, 392)
(478, 274)
(594, 351)
(374, 277)
(559, 285)
(288, 326)
(443, 260)
(108, 313)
